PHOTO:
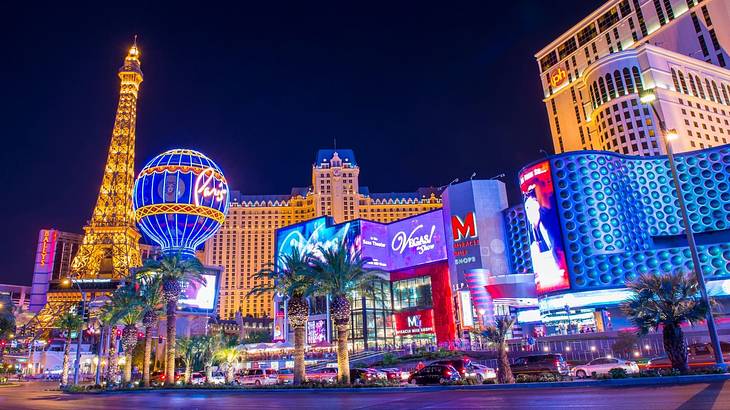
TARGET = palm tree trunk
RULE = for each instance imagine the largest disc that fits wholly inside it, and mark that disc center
(171, 335)
(229, 373)
(111, 358)
(299, 371)
(343, 355)
(208, 372)
(505, 370)
(676, 347)
(188, 371)
(127, 367)
(147, 356)
(66, 355)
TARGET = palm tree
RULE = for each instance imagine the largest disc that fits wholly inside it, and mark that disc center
(338, 273)
(67, 322)
(127, 308)
(7, 322)
(152, 302)
(290, 280)
(207, 346)
(497, 334)
(666, 301)
(187, 349)
(175, 271)
(228, 357)
(108, 317)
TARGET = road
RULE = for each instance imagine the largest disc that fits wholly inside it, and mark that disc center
(39, 395)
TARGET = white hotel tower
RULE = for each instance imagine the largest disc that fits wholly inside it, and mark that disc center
(594, 73)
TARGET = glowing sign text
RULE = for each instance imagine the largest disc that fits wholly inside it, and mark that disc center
(205, 187)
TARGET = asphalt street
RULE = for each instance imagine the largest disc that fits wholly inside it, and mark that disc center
(41, 395)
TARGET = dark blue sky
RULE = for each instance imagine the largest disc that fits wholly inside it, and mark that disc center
(424, 92)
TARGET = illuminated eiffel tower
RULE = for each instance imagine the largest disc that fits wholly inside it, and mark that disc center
(111, 241)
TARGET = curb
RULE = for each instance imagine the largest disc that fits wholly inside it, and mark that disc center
(628, 382)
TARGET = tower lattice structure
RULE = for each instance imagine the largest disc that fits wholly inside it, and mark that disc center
(111, 240)
(110, 246)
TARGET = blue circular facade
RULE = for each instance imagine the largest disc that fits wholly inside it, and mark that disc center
(180, 200)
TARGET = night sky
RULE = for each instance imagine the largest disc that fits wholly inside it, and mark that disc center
(422, 92)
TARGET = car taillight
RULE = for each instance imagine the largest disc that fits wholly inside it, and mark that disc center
(557, 363)
(448, 372)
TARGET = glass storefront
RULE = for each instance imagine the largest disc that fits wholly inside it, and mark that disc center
(412, 293)
(371, 319)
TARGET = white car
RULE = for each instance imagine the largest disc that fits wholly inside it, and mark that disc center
(217, 378)
(603, 365)
(197, 378)
(480, 372)
(258, 377)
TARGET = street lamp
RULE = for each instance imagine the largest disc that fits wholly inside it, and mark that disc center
(649, 97)
(68, 282)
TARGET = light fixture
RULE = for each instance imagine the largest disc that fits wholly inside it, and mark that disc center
(593, 348)
(647, 97)
(672, 135)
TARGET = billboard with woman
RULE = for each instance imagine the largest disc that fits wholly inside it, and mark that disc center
(546, 242)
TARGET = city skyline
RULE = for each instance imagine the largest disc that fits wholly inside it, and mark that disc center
(364, 87)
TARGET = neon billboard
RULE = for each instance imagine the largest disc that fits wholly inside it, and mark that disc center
(546, 242)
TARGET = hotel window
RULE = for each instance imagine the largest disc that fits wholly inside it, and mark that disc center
(548, 61)
(587, 34)
(567, 48)
(625, 8)
(660, 12)
(706, 15)
(703, 45)
(608, 19)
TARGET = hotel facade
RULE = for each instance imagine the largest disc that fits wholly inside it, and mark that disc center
(594, 74)
(245, 243)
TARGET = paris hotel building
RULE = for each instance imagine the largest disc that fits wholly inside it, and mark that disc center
(245, 243)
(594, 74)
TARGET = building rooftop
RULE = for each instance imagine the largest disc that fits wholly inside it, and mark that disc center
(346, 155)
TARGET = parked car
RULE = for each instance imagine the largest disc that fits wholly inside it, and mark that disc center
(197, 378)
(469, 369)
(396, 375)
(359, 375)
(461, 365)
(217, 378)
(157, 378)
(481, 372)
(699, 355)
(551, 363)
(327, 375)
(435, 374)
(257, 377)
(285, 376)
(603, 365)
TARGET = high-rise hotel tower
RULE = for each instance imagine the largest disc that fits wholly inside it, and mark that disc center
(594, 74)
(245, 243)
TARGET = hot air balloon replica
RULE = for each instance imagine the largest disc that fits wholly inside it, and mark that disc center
(180, 200)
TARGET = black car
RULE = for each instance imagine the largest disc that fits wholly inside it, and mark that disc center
(540, 364)
(358, 375)
(435, 374)
(461, 365)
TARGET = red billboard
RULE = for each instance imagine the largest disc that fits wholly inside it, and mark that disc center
(546, 242)
(414, 322)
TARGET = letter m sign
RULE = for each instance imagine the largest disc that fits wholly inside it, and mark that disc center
(463, 229)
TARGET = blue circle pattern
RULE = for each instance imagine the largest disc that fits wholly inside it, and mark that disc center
(620, 216)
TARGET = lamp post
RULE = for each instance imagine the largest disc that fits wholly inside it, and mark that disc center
(68, 281)
(649, 97)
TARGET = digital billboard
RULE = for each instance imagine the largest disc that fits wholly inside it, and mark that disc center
(200, 297)
(316, 331)
(416, 241)
(317, 233)
(375, 244)
(414, 322)
(546, 242)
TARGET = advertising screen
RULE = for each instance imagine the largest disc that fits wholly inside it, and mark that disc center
(309, 236)
(414, 322)
(200, 297)
(316, 331)
(374, 238)
(416, 241)
(546, 242)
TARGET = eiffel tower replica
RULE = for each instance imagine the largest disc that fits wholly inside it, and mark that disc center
(110, 245)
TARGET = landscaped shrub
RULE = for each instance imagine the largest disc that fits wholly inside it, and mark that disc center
(618, 373)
